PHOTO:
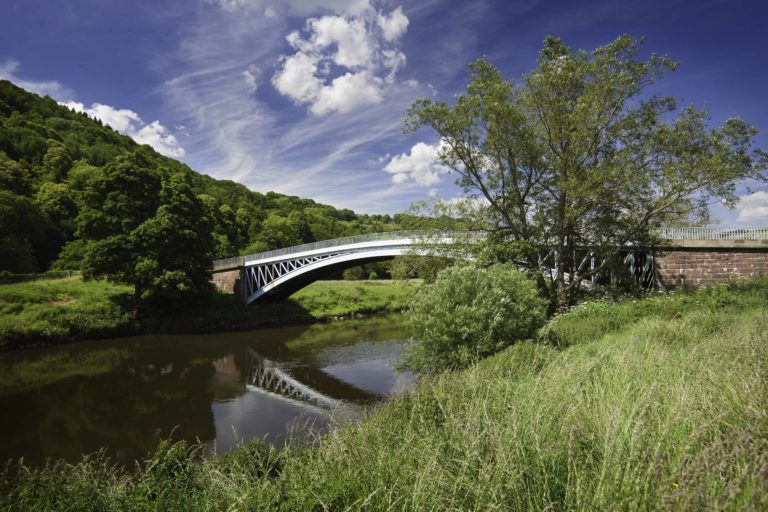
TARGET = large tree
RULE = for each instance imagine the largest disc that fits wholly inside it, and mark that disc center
(579, 156)
(145, 228)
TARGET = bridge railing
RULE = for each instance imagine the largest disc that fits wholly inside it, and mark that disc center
(714, 233)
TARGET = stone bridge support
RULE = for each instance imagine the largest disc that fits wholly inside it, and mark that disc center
(695, 263)
(229, 281)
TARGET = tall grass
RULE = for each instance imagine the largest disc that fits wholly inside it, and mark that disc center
(661, 404)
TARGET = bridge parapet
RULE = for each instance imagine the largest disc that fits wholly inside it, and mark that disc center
(713, 233)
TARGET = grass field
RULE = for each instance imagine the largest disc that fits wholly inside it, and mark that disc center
(654, 404)
(324, 299)
(61, 310)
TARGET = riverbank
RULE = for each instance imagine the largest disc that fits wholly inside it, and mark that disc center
(652, 404)
(63, 310)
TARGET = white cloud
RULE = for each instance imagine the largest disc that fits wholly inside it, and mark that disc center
(129, 123)
(394, 25)
(9, 71)
(753, 208)
(342, 62)
(158, 136)
(394, 60)
(349, 35)
(249, 75)
(234, 134)
(347, 93)
(297, 79)
(420, 165)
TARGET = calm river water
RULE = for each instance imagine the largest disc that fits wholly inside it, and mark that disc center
(125, 395)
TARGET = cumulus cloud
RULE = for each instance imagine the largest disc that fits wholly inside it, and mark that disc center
(342, 62)
(420, 165)
(129, 123)
(347, 93)
(393, 25)
(9, 71)
(753, 208)
(158, 136)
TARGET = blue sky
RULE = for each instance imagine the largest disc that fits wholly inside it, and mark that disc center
(306, 97)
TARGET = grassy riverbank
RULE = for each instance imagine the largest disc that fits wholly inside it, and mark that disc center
(654, 404)
(61, 310)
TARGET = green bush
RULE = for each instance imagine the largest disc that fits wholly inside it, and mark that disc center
(470, 313)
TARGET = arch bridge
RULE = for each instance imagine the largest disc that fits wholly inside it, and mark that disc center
(279, 273)
(687, 256)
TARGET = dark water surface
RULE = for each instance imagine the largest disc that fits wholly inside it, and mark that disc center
(125, 395)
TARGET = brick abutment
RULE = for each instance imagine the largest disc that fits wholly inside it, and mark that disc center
(705, 266)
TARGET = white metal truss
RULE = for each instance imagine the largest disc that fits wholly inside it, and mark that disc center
(271, 378)
(257, 277)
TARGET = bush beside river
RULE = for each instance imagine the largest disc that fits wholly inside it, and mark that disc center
(61, 310)
(652, 404)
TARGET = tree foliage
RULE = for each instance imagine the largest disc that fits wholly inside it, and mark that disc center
(116, 204)
(152, 233)
(471, 312)
(176, 245)
(578, 156)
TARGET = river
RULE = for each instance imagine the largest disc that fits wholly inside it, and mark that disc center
(125, 395)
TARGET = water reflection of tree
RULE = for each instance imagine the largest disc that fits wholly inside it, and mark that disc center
(162, 392)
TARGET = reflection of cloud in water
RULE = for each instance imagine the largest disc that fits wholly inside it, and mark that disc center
(373, 375)
(259, 414)
(363, 350)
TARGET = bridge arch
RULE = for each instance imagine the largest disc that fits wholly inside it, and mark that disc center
(286, 285)
(274, 275)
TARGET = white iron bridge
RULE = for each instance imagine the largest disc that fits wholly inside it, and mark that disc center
(281, 272)
(277, 274)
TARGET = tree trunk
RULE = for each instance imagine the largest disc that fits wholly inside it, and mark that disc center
(137, 293)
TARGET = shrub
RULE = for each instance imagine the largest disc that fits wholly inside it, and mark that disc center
(470, 313)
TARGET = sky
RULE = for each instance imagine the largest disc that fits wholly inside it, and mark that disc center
(306, 97)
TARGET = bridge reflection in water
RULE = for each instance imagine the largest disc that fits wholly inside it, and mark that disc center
(268, 377)
(288, 391)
